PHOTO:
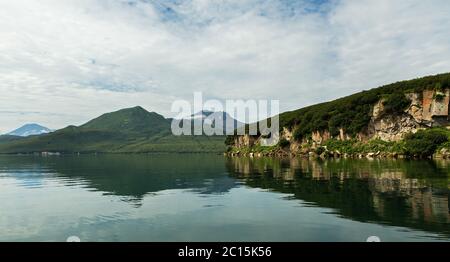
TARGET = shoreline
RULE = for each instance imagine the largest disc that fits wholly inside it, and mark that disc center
(270, 154)
(336, 155)
(44, 154)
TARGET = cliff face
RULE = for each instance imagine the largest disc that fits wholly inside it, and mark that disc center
(427, 109)
(245, 141)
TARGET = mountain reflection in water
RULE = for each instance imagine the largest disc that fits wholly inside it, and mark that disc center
(187, 197)
(394, 192)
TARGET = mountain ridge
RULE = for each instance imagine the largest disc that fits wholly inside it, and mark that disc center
(129, 130)
(134, 119)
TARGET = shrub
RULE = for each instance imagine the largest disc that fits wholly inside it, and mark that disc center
(396, 103)
(376, 145)
(283, 143)
(439, 96)
(438, 87)
(229, 140)
(425, 142)
(320, 150)
(343, 146)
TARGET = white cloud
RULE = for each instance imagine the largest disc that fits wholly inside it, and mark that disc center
(69, 61)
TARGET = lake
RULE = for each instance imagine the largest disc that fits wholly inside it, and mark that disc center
(196, 197)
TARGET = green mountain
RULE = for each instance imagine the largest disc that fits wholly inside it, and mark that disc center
(131, 130)
(8, 138)
(134, 120)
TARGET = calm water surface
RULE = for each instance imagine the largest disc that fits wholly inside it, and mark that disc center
(214, 198)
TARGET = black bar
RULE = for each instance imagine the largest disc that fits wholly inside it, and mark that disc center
(352, 251)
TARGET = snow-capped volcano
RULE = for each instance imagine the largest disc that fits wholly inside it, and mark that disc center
(30, 130)
(207, 117)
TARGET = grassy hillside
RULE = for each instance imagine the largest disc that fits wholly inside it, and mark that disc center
(9, 138)
(353, 112)
(132, 130)
(130, 120)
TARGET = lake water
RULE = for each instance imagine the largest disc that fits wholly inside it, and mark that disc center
(215, 198)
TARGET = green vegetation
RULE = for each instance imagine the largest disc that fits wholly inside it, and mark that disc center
(439, 96)
(396, 103)
(132, 130)
(352, 113)
(320, 150)
(229, 140)
(424, 143)
(8, 138)
(283, 143)
(129, 120)
(254, 149)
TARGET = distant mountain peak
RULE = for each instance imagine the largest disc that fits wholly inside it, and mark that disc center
(30, 130)
(208, 117)
(131, 109)
(140, 108)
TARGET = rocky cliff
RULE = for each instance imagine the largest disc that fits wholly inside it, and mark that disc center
(423, 109)
(427, 109)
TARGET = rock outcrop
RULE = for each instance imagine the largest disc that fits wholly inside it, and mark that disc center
(429, 108)
(426, 110)
(244, 141)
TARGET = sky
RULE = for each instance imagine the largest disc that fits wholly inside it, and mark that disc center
(64, 62)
